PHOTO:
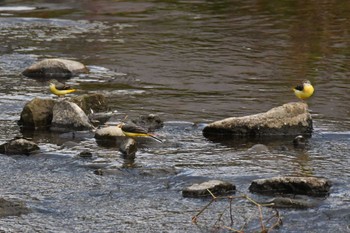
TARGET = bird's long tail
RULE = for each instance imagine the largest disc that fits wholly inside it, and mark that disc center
(155, 138)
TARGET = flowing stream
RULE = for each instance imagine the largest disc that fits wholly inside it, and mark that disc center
(191, 63)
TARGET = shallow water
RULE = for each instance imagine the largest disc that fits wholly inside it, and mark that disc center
(191, 62)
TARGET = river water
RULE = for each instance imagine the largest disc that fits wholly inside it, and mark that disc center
(190, 62)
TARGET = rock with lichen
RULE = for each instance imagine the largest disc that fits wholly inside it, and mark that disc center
(286, 120)
(311, 186)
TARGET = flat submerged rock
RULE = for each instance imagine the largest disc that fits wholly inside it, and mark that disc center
(12, 208)
(19, 146)
(217, 187)
(311, 186)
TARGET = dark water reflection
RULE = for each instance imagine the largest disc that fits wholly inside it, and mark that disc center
(191, 62)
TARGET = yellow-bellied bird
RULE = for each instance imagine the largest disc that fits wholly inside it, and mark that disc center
(60, 89)
(132, 130)
(304, 90)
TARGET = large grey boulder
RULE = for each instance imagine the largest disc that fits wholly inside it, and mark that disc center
(216, 187)
(311, 186)
(68, 116)
(288, 119)
(19, 146)
(55, 68)
(37, 113)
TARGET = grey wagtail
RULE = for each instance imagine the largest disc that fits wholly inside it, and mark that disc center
(132, 130)
(60, 89)
(304, 90)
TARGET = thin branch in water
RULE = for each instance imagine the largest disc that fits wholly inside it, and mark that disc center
(220, 220)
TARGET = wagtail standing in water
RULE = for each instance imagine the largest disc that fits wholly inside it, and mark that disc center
(304, 90)
(60, 89)
(132, 130)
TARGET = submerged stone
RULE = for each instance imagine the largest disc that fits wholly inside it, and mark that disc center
(258, 149)
(151, 122)
(12, 208)
(55, 68)
(288, 119)
(19, 146)
(288, 202)
(299, 142)
(85, 154)
(311, 186)
(128, 148)
(216, 187)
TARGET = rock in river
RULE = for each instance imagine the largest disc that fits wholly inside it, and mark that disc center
(217, 187)
(128, 148)
(37, 113)
(288, 119)
(55, 68)
(12, 208)
(109, 132)
(68, 116)
(311, 186)
(151, 122)
(91, 103)
(19, 146)
(291, 202)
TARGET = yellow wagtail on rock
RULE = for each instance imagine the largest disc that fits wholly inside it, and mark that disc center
(132, 130)
(304, 90)
(60, 89)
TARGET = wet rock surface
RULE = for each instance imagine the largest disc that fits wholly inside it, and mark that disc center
(311, 186)
(19, 146)
(55, 68)
(151, 122)
(288, 119)
(217, 187)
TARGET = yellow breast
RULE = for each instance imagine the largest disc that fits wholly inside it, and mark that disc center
(307, 92)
